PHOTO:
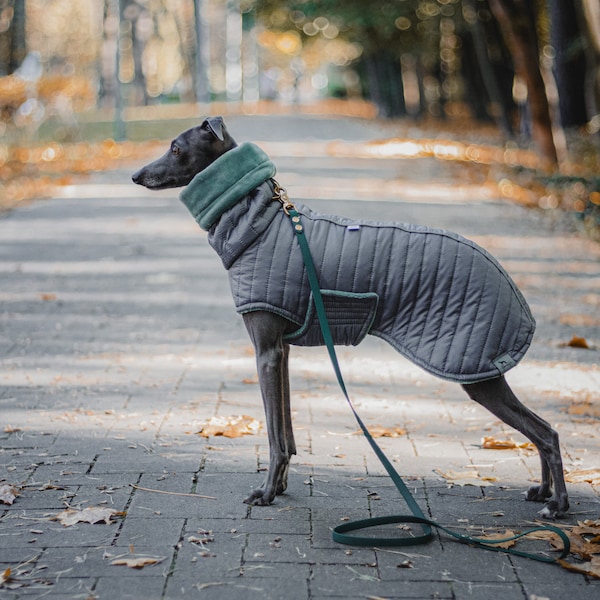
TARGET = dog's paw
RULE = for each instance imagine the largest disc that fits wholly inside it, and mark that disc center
(538, 493)
(552, 510)
(259, 498)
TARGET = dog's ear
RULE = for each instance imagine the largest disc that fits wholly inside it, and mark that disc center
(215, 124)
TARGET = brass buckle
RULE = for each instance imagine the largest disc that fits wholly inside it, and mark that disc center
(281, 195)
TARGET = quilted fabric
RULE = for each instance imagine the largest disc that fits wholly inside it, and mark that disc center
(441, 300)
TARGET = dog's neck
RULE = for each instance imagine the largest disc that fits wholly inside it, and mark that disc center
(225, 182)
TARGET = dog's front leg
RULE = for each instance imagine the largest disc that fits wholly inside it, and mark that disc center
(266, 332)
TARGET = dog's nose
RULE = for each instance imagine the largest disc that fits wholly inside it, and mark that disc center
(136, 177)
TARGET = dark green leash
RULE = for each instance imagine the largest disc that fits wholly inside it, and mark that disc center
(341, 532)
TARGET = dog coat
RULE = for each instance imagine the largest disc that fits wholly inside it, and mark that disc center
(438, 298)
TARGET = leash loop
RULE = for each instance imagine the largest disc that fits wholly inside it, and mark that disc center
(341, 533)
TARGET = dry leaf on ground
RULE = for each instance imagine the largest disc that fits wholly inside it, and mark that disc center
(500, 536)
(577, 342)
(231, 427)
(588, 527)
(583, 476)
(8, 493)
(466, 478)
(91, 514)
(378, 431)
(583, 409)
(137, 562)
(491, 443)
(5, 576)
(590, 568)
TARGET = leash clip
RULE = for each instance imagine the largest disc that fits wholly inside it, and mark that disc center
(280, 194)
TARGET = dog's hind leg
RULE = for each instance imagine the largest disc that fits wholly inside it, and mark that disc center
(266, 332)
(499, 399)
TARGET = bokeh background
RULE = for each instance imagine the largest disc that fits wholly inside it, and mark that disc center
(87, 84)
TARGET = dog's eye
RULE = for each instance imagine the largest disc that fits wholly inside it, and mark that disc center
(175, 150)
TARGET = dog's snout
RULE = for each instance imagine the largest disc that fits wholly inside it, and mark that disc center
(137, 176)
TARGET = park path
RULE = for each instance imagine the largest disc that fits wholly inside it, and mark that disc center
(118, 340)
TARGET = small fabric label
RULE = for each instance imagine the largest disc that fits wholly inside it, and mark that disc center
(504, 363)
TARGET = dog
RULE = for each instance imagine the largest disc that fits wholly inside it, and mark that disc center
(197, 153)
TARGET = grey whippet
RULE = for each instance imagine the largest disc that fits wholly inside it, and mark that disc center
(203, 154)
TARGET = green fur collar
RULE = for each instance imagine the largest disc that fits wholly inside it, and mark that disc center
(225, 182)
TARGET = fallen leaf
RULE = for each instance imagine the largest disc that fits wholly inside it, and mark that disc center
(466, 478)
(193, 539)
(591, 568)
(378, 431)
(5, 576)
(138, 562)
(591, 476)
(578, 342)
(91, 514)
(11, 429)
(583, 409)
(587, 527)
(231, 427)
(491, 443)
(500, 536)
(48, 297)
(8, 493)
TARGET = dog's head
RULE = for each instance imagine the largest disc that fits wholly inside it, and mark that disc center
(190, 152)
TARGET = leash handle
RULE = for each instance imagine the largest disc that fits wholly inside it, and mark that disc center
(340, 533)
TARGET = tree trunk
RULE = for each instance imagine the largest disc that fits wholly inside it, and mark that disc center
(590, 19)
(12, 40)
(478, 61)
(386, 87)
(202, 55)
(517, 23)
(569, 63)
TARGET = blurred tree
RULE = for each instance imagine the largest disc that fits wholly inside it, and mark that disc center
(569, 62)
(517, 21)
(108, 84)
(450, 46)
(201, 56)
(486, 67)
(12, 35)
(590, 18)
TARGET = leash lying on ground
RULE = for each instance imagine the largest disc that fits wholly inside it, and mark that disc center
(341, 532)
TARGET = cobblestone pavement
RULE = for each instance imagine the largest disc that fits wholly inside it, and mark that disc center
(118, 339)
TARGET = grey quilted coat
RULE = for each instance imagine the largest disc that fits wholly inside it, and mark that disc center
(438, 298)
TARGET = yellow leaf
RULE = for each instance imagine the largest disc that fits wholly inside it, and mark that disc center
(5, 576)
(490, 443)
(378, 431)
(230, 427)
(137, 562)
